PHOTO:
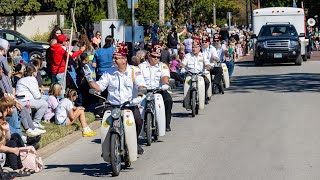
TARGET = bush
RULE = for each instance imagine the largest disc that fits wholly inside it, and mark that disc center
(41, 37)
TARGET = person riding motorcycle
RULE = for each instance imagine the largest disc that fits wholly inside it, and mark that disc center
(211, 54)
(196, 62)
(156, 74)
(121, 80)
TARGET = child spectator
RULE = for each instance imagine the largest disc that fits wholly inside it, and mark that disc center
(67, 114)
(19, 71)
(16, 56)
(54, 93)
(37, 63)
(175, 68)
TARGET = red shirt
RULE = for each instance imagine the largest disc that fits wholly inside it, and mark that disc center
(58, 58)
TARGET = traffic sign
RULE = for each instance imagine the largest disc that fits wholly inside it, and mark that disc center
(138, 33)
(113, 27)
(136, 4)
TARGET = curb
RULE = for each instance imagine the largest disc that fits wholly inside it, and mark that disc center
(65, 141)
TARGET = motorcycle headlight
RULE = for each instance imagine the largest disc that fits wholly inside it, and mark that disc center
(149, 96)
(45, 46)
(294, 43)
(194, 78)
(150, 105)
(116, 113)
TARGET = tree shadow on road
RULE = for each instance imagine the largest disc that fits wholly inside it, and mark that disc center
(280, 83)
(95, 170)
(267, 65)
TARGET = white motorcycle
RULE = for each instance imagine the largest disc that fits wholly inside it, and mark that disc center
(194, 92)
(154, 116)
(118, 136)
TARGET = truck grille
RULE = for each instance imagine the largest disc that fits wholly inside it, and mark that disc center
(278, 44)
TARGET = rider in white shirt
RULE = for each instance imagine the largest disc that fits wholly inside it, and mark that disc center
(121, 80)
(156, 75)
(196, 62)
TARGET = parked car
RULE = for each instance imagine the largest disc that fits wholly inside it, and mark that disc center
(18, 40)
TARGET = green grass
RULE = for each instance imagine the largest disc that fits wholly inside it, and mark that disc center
(55, 132)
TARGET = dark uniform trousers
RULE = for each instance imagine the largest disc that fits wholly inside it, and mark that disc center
(206, 85)
(218, 75)
(167, 99)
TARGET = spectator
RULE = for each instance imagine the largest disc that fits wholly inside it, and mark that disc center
(54, 93)
(141, 55)
(16, 56)
(67, 114)
(59, 57)
(56, 31)
(175, 68)
(173, 41)
(165, 54)
(28, 87)
(188, 43)
(19, 71)
(85, 41)
(37, 63)
(97, 39)
(103, 57)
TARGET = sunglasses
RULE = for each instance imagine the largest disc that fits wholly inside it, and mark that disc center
(156, 57)
(117, 58)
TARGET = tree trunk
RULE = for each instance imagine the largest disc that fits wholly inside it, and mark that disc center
(161, 12)
(112, 9)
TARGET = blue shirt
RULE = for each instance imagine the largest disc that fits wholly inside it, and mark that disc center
(103, 58)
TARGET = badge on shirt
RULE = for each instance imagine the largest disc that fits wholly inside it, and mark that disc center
(165, 67)
(138, 73)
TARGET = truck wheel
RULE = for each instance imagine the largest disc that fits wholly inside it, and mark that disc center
(298, 61)
(34, 54)
(257, 62)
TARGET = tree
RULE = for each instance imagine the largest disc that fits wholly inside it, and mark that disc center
(18, 8)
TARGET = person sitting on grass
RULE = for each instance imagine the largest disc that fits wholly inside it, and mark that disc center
(67, 113)
(28, 87)
(53, 102)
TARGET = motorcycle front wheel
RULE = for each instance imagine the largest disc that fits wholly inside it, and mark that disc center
(115, 154)
(149, 128)
(193, 103)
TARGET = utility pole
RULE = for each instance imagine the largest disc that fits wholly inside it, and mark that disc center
(258, 4)
(161, 12)
(214, 14)
(251, 13)
(133, 25)
(247, 18)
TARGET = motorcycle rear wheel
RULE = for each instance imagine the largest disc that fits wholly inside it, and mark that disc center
(115, 154)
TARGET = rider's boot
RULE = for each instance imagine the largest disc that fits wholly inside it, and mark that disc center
(140, 150)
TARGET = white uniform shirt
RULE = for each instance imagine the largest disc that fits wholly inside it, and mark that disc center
(121, 86)
(222, 56)
(195, 64)
(210, 53)
(153, 74)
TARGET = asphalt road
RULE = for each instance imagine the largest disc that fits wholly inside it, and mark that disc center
(265, 127)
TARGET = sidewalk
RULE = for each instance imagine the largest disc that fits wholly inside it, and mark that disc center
(247, 58)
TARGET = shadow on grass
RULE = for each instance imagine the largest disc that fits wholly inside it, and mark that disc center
(279, 83)
(94, 170)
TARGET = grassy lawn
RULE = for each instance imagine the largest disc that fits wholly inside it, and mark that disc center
(55, 132)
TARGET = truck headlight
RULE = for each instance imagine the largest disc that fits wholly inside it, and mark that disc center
(45, 46)
(294, 43)
(261, 44)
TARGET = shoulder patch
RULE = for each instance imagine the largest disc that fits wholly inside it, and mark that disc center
(138, 73)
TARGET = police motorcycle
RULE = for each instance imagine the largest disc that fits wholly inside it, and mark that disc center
(194, 92)
(118, 135)
(154, 115)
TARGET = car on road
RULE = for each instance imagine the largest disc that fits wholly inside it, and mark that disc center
(278, 43)
(23, 43)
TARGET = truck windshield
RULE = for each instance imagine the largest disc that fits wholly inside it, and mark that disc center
(278, 30)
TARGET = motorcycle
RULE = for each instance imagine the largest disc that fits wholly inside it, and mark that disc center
(194, 92)
(154, 115)
(225, 81)
(118, 136)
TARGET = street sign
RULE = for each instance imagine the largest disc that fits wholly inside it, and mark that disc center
(136, 4)
(138, 34)
(113, 27)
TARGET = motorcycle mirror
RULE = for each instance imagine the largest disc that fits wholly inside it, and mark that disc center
(142, 90)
